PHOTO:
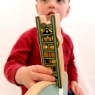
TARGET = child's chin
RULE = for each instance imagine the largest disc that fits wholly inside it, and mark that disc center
(48, 18)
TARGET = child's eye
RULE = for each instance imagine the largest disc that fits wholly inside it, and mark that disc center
(44, 0)
(60, 0)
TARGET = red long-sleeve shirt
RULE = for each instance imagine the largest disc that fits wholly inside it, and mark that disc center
(26, 52)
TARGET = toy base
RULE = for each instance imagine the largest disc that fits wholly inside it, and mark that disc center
(48, 88)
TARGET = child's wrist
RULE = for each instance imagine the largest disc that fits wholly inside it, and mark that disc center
(74, 82)
(18, 76)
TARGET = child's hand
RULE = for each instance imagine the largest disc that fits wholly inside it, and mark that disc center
(28, 76)
(76, 89)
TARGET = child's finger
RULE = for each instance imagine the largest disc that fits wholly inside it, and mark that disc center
(42, 77)
(79, 91)
(73, 89)
(41, 69)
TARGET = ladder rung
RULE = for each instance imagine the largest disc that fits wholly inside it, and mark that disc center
(50, 58)
(44, 26)
(48, 42)
(46, 34)
(54, 72)
(49, 50)
(50, 65)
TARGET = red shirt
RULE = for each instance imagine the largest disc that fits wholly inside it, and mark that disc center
(26, 52)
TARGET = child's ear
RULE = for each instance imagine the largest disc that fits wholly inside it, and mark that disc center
(36, 8)
(68, 10)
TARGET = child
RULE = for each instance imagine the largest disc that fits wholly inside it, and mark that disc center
(23, 66)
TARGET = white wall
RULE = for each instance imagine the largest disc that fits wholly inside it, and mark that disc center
(16, 16)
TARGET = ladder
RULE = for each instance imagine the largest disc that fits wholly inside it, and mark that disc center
(48, 45)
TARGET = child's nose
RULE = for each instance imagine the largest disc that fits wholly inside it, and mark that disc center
(52, 6)
(52, 3)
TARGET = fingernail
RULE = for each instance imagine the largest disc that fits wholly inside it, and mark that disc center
(51, 72)
(53, 78)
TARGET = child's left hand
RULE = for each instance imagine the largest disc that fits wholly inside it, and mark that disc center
(76, 88)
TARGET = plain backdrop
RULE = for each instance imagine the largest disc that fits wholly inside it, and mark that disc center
(17, 16)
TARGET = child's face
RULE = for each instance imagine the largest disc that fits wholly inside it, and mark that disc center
(47, 7)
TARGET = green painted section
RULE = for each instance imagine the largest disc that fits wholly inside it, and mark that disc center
(54, 42)
(54, 90)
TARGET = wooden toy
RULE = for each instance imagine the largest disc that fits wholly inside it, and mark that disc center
(50, 42)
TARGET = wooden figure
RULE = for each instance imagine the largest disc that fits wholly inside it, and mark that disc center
(50, 42)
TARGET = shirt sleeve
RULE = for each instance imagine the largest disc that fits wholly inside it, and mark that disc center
(18, 56)
(72, 70)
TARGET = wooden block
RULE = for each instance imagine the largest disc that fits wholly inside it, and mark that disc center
(50, 42)
(48, 88)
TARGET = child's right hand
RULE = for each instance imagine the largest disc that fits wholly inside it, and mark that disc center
(28, 76)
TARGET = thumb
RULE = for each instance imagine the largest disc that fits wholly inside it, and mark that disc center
(30, 84)
(73, 89)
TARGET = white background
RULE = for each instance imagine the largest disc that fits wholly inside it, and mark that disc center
(17, 16)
